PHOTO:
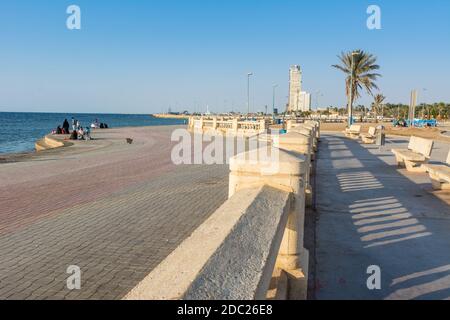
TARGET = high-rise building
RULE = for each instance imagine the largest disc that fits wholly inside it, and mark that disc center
(298, 99)
(295, 87)
(304, 101)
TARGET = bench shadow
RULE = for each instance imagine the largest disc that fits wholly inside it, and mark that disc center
(400, 226)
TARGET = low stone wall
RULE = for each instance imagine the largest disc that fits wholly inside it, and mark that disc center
(256, 233)
(234, 126)
(170, 116)
(185, 272)
(48, 142)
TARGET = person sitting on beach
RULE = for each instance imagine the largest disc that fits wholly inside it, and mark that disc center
(87, 133)
(81, 134)
(74, 135)
(95, 125)
(58, 130)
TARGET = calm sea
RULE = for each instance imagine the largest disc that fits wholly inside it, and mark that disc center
(19, 131)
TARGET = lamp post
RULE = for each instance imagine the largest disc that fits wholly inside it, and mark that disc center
(248, 92)
(275, 86)
(350, 103)
(318, 95)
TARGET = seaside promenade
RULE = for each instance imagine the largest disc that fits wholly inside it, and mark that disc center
(113, 209)
(370, 213)
(117, 210)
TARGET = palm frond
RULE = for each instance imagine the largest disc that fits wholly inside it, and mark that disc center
(361, 70)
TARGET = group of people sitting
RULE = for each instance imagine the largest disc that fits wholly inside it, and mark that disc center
(97, 125)
(78, 131)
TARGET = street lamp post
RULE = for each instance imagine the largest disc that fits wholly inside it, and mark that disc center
(248, 92)
(350, 103)
(318, 95)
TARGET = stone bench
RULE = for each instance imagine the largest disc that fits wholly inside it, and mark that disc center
(439, 174)
(353, 132)
(370, 137)
(418, 153)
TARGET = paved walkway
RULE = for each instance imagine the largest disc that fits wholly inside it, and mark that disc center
(115, 210)
(371, 213)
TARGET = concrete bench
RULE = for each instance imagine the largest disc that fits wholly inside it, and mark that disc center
(417, 154)
(370, 137)
(353, 132)
(439, 174)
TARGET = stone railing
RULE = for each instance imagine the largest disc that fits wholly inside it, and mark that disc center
(234, 126)
(310, 128)
(256, 233)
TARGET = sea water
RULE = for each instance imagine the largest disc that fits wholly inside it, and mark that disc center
(19, 131)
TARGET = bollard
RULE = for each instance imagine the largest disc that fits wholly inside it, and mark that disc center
(308, 131)
(214, 124)
(313, 130)
(300, 143)
(316, 124)
(235, 126)
(262, 126)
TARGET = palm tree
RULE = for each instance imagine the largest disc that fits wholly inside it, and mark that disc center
(359, 66)
(441, 110)
(377, 103)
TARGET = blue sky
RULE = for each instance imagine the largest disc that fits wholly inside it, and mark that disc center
(139, 56)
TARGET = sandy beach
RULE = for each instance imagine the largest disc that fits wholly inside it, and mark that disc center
(428, 133)
(114, 209)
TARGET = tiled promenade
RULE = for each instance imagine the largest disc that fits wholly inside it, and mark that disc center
(115, 211)
(371, 213)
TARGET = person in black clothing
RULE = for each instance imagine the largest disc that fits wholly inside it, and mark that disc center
(66, 126)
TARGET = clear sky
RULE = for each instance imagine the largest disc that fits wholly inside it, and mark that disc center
(144, 56)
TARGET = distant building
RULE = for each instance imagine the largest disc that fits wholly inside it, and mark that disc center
(298, 99)
(295, 87)
(304, 101)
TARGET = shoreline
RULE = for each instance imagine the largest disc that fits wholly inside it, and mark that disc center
(12, 157)
(24, 142)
